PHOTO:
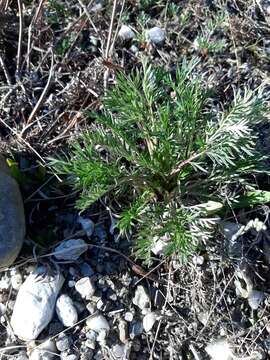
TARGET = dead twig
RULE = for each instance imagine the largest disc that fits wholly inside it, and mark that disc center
(19, 50)
(43, 95)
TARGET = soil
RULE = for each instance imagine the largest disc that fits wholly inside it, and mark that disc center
(56, 68)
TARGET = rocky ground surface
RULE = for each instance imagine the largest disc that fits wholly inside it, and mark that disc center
(75, 290)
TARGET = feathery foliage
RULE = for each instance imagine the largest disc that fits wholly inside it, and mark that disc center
(166, 156)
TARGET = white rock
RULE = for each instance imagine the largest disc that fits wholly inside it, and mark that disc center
(70, 250)
(4, 282)
(156, 35)
(16, 281)
(219, 350)
(159, 246)
(87, 225)
(66, 311)
(128, 316)
(85, 287)
(97, 323)
(149, 321)
(126, 33)
(46, 351)
(255, 298)
(141, 298)
(35, 303)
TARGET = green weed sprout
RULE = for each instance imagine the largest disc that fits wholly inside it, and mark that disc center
(171, 161)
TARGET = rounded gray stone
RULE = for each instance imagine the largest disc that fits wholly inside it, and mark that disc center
(12, 221)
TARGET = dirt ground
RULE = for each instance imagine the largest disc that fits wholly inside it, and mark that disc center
(57, 58)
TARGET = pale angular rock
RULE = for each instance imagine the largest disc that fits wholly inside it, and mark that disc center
(85, 287)
(149, 321)
(12, 221)
(219, 350)
(70, 250)
(45, 351)
(62, 342)
(125, 33)
(97, 323)
(66, 311)
(156, 35)
(141, 298)
(35, 303)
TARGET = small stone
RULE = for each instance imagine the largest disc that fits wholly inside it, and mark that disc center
(128, 316)
(198, 260)
(159, 246)
(70, 250)
(69, 357)
(100, 304)
(91, 308)
(91, 344)
(71, 283)
(149, 321)
(219, 350)
(156, 35)
(45, 351)
(97, 323)
(141, 298)
(136, 329)
(5, 282)
(35, 303)
(118, 351)
(16, 281)
(255, 298)
(134, 49)
(87, 225)
(62, 342)
(86, 270)
(66, 311)
(125, 33)
(85, 288)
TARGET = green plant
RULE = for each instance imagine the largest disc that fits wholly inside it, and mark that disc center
(160, 150)
(205, 40)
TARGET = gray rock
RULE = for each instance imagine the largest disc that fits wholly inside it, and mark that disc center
(66, 311)
(141, 298)
(136, 329)
(97, 323)
(87, 225)
(255, 298)
(12, 221)
(35, 303)
(70, 250)
(85, 287)
(125, 33)
(86, 269)
(62, 342)
(156, 35)
(119, 351)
